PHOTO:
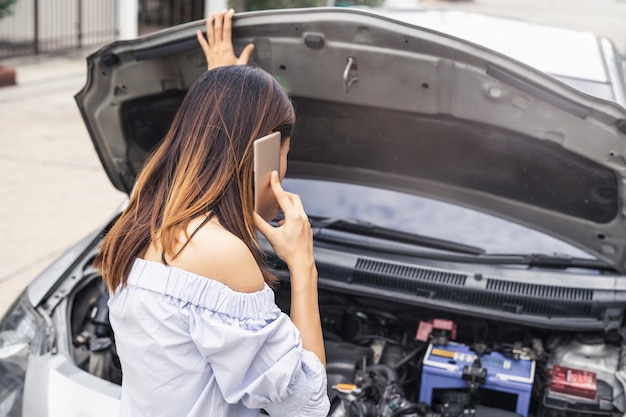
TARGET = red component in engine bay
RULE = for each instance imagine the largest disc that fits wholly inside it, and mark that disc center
(573, 382)
(425, 329)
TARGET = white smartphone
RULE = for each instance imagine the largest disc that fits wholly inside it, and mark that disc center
(266, 159)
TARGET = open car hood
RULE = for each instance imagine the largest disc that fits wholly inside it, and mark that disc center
(391, 105)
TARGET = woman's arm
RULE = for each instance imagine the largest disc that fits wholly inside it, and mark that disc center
(293, 243)
(305, 308)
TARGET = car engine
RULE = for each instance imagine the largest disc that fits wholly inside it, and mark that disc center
(386, 359)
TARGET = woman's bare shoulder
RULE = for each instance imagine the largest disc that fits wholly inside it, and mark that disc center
(215, 253)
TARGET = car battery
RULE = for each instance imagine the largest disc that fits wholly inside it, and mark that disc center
(443, 369)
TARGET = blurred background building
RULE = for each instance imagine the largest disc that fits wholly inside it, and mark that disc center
(31, 27)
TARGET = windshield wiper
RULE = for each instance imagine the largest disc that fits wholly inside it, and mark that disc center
(535, 260)
(538, 260)
(361, 228)
(464, 253)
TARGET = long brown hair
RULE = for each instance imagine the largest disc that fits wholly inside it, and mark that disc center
(203, 165)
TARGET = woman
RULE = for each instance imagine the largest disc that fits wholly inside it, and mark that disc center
(196, 327)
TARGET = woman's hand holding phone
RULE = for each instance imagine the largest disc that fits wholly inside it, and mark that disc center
(292, 240)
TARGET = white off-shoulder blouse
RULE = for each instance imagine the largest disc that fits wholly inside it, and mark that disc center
(192, 346)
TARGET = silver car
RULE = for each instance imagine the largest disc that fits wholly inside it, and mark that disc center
(468, 211)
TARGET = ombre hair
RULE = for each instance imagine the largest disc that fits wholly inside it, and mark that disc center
(204, 165)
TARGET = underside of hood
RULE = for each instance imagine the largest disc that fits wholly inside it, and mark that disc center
(388, 104)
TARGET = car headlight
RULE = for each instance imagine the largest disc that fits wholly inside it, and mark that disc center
(22, 333)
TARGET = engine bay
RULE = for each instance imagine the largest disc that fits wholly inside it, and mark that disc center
(390, 359)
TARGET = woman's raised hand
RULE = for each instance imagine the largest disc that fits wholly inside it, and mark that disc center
(218, 45)
(292, 240)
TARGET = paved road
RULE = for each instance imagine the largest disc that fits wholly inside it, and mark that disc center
(53, 189)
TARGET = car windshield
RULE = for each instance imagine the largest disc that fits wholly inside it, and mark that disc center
(423, 216)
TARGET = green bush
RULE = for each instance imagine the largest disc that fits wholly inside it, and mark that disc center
(5, 7)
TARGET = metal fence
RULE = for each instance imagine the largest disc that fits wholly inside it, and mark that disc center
(45, 26)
